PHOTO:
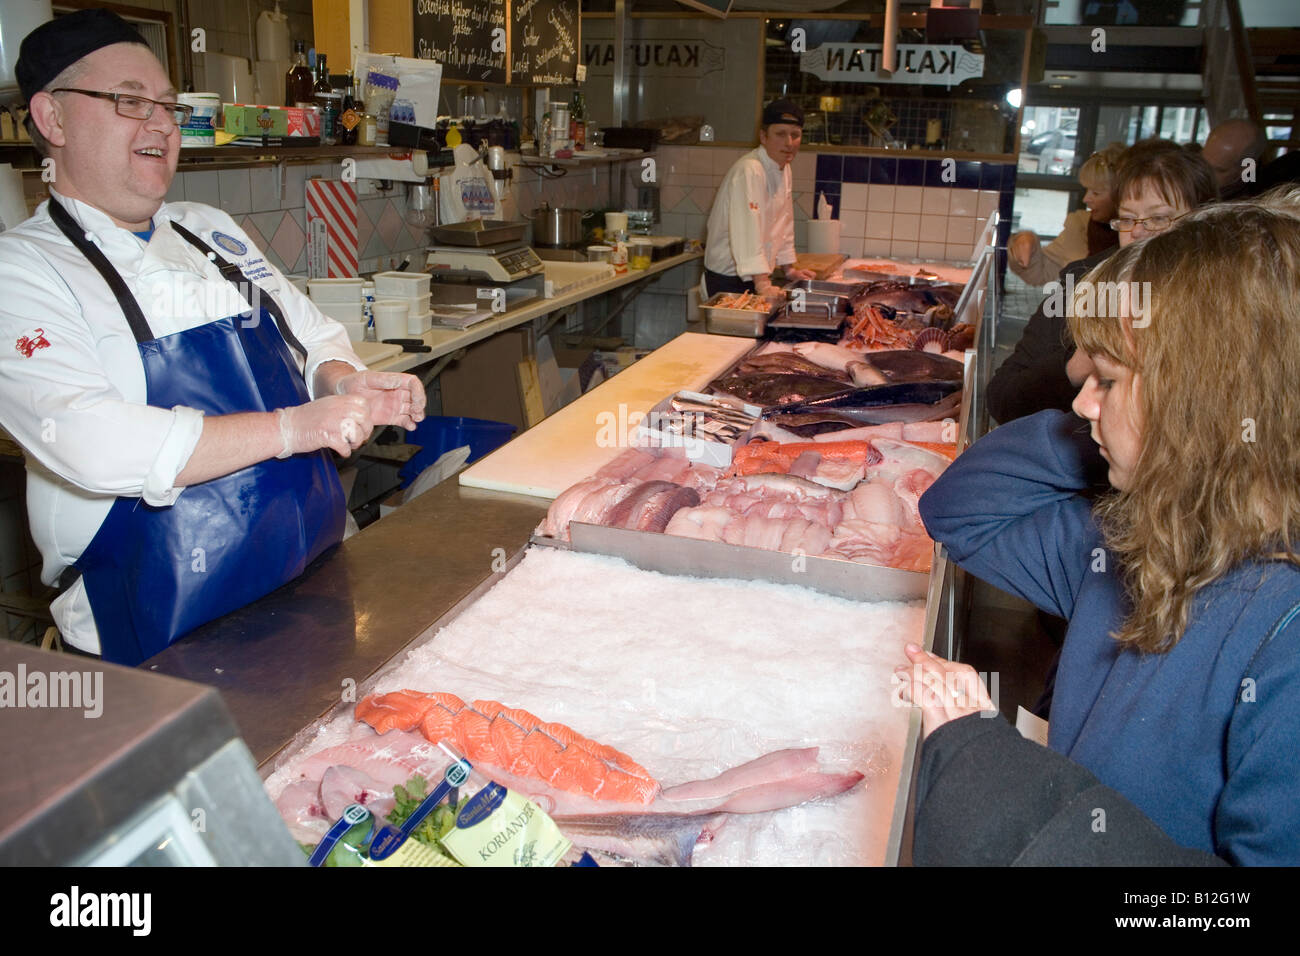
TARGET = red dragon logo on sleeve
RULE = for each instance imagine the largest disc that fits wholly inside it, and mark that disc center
(28, 344)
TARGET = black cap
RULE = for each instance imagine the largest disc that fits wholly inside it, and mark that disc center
(783, 111)
(53, 47)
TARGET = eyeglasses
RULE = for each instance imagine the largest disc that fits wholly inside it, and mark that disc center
(1152, 223)
(136, 107)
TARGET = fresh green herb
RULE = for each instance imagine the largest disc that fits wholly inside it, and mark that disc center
(436, 825)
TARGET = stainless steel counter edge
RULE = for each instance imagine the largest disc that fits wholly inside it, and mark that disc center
(283, 662)
(445, 341)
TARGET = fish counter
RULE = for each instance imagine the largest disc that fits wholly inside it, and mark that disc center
(666, 695)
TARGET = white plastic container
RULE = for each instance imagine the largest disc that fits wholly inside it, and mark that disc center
(390, 319)
(417, 323)
(356, 331)
(201, 128)
(335, 290)
(402, 285)
(343, 311)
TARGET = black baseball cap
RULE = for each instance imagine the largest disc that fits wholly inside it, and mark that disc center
(54, 46)
(783, 111)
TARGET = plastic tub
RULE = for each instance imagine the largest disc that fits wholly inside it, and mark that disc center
(390, 318)
(639, 254)
(401, 285)
(343, 311)
(599, 253)
(438, 434)
(334, 290)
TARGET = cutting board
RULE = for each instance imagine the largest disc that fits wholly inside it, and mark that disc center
(372, 352)
(823, 264)
(575, 441)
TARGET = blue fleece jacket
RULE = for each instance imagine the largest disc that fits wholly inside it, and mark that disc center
(1204, 739)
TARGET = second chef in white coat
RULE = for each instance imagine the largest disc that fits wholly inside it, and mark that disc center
(751, 226)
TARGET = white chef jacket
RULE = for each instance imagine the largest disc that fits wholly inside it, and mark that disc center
(751, 226)
(72, 387)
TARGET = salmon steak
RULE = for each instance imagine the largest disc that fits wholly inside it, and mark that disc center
(518, 742)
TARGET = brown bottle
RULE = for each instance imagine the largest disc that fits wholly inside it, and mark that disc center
(298, 82)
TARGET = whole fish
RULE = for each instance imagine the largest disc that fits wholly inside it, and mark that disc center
(789, 363)
(845, 402)
(899, 366)
(766, 388)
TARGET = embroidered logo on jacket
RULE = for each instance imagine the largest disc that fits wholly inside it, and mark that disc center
(229, 243)
(754, 206)
(28, 344)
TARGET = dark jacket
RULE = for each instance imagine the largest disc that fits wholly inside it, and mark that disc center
(1033, 376)
(1038, 809)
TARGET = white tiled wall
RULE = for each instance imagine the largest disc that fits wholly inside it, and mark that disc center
(876, 220)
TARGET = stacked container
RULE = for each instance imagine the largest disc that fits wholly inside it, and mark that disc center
(413, 289)
(341, 300)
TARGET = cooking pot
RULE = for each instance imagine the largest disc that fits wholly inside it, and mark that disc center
(557, 226)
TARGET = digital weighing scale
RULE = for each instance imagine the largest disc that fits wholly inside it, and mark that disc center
(507, 262)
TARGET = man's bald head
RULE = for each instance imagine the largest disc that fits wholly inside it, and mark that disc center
(1227, 145)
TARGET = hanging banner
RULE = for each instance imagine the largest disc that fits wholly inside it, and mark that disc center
(933, 65)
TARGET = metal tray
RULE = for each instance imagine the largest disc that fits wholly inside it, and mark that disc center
(742, 322)
(480, 232)
(817, 313)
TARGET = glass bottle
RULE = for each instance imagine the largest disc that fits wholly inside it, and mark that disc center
(328, 101)
(578, 121)
(298, 83)
(350, 117)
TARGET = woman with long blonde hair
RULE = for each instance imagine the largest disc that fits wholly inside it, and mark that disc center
(1177, 703)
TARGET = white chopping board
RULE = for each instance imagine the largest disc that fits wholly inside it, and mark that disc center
(568, 446)
(372, 352)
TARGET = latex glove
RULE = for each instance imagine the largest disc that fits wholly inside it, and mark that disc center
(792, 273)
(395, 398)
(1022, 247)
(340, 422)
(942, 689)
(1079, 368)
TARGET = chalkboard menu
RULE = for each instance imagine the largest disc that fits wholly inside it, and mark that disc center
(544, 38)
(468, 37)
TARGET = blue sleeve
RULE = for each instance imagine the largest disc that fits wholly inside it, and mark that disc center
(1011, 509)
(1258, 817)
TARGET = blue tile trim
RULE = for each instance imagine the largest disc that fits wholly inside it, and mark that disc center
(884, 172)
(830, 166)
(857, 169)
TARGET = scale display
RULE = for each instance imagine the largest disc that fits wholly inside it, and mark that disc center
(500, 264)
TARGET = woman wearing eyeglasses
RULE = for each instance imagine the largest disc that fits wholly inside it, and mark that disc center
(1155, 182)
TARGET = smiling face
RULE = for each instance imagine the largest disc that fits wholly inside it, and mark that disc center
(1109, 401)
(1096, 197)
(119, 165)
(1142, 202)
(781, 142)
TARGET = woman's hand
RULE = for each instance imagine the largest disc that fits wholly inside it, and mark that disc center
(1022, 247)
(942, 689)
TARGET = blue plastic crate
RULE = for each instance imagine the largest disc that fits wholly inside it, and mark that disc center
(439, 434)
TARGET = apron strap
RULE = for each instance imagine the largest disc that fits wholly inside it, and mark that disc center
(232, 274)
(77, 236)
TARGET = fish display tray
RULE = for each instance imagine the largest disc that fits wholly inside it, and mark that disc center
(742, 322)
(674, 554)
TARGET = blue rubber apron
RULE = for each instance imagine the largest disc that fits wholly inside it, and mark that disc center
(153, 574)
